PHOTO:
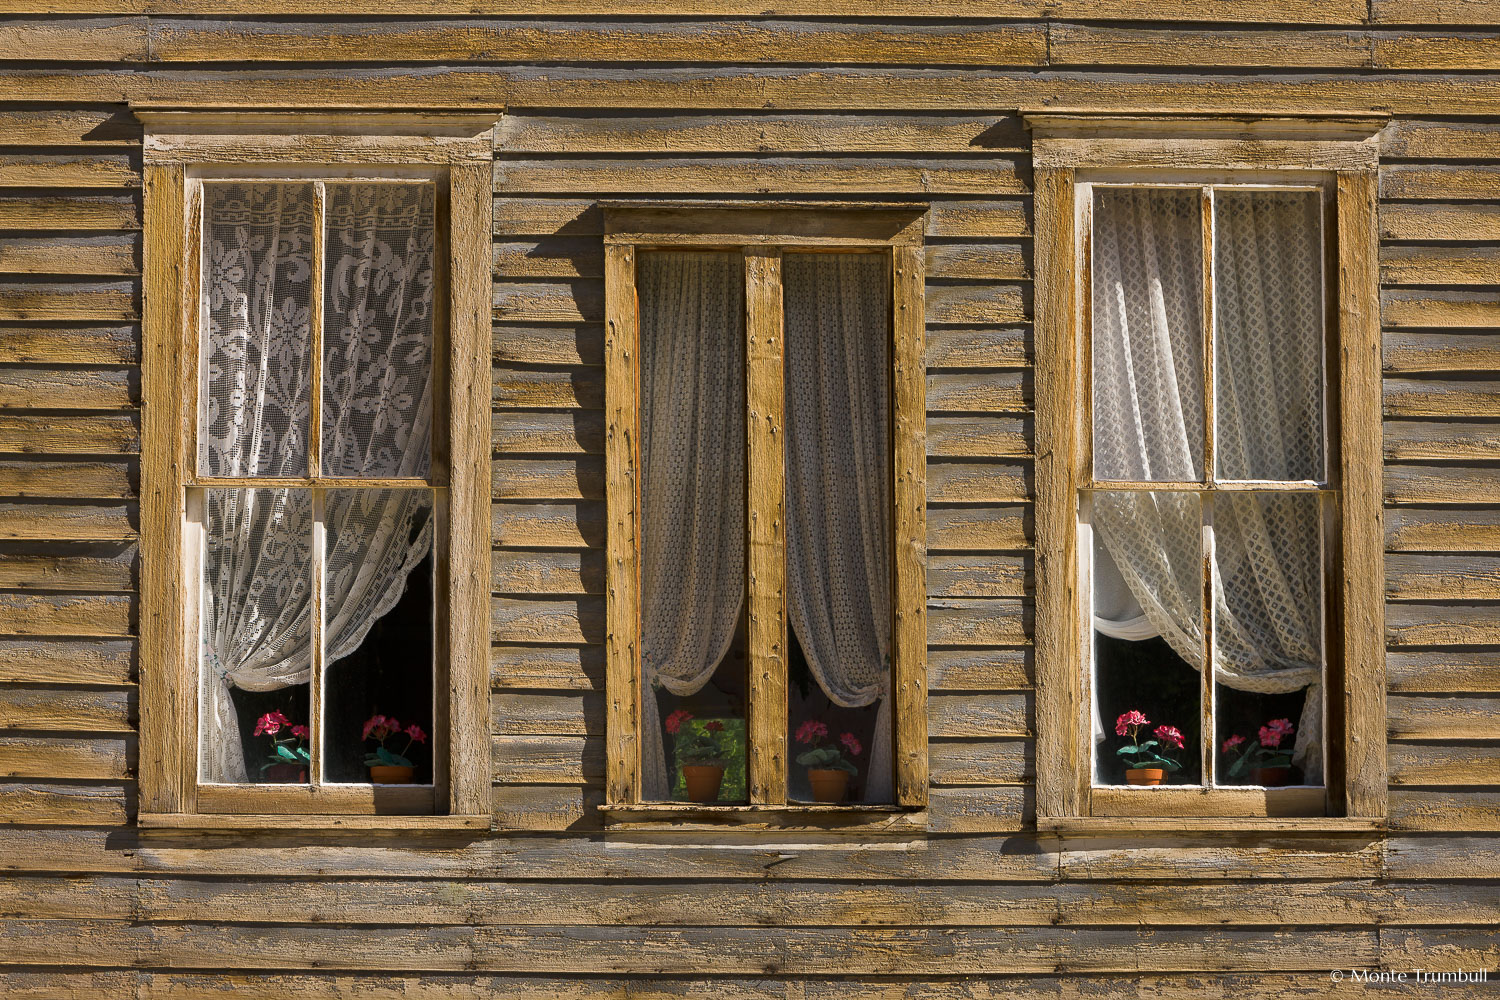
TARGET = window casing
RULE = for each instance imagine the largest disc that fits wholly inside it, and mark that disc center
(351, 456)
(761, 238)
(1077, 157)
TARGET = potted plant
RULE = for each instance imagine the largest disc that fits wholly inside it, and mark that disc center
(1146, 761)
(1269, 763)
(386, 766)
(828, 769)
(701, 752)
(289, 758)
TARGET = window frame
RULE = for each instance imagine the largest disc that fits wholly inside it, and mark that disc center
(182, 149)
(1071, 150)
(763, 232)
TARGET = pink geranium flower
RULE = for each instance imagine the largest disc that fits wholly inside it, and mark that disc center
(300, 732)
(414, 731)
(851, 743)
(1273, 732)
(1170, 735)
(811, 731)
(1231, 743)
(270, 723)
(676, 719)
(1130, 718)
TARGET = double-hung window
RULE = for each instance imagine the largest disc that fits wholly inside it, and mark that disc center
(764, 436)
(1207, 490)
(313, 472)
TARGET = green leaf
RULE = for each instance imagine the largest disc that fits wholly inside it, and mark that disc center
(286, 755)
(1125, 750)
(303, 755)
(391, 759)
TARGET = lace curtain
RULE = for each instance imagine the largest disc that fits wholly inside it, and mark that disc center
(838, 489)
(255, 413)
(692, 310)
(1148, 426)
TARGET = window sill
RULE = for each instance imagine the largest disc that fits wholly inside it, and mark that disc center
(1128, 825)
(292, 822)
(695, 816)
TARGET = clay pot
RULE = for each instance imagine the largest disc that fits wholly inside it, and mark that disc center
(1145, 775)
(391, 774)
(1272, 777)
(703, 781)
(286, 774)
(828, 785)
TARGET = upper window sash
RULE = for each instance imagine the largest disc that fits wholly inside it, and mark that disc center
(762, 232)
(1071, 149)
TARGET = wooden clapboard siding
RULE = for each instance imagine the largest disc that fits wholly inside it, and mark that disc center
(796, 99)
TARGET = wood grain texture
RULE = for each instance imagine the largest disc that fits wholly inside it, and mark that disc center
(909, 526)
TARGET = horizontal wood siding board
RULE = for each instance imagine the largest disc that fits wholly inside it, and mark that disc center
(1443, 670)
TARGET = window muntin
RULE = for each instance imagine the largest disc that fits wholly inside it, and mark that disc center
(1208, 310)
(317, 335)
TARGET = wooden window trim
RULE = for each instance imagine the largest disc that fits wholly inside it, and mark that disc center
(455, 150)
(762, 232)
(1210, 149)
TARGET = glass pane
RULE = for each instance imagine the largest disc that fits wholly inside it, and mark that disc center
(379, 627)
(1268, 345)
(693, 652)
(1147, 591)
(838, 526)
(1148, 335)
(255, 631)
(1268, 632)
(256, 298)
(377, 321)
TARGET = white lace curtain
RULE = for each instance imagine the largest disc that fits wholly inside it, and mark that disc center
(1148, 426)
(692, 310)
(256, 413)
(838, 491)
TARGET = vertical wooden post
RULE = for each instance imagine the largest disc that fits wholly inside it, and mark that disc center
(909, 523)
(469, 488)
(622, 494)
(1206, 742)
(1062, 773)
(766, 475)
(1360, 468)
(167, 682)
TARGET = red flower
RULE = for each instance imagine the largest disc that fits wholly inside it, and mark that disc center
(851, 743)
(416, 734)
(811, 731)
(714, 727)
(1130, 718)
(676, 719)
(1273, 732)
(1231, 743)
(1170, 735)
(270, 723)
(380, 727)
(300, 732)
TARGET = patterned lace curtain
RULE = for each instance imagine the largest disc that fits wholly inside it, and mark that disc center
(1148, 426)
(838, 489)
(255, 413)
(692, 310)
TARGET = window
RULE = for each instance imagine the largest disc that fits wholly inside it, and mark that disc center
(1207, 359)
(315, 506)
(765, 478)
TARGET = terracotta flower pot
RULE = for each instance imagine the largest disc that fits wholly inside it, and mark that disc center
(391, 774)
(703, 781)
(1272, 777)
(286, 774)
(1145, 775)
(828, 785)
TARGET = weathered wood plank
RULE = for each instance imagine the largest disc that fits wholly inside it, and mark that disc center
(1448, 718)
(987, 762)
(67, 522)
(1108, 45)
(517, 571)
(1441, 484)
(77, 302)
(470, 41)
(979, 670)
(1446, 670)
(1424, 308)
(576, 388)
(1443, 625)
(529, 432)
(549, 302)
(103, 126)
(977, 622)
(556, 668)
(1430, 441)
(1436, 530)
(761, 133)
(113, 212)
(978, 437)
(1420, 12)
(1440, 182)
(1447, 812)
(983, 347)
(553, 714)
(1434, 51)
(52, 434)
(547, 479)
(109, 254)
(71, 170)
(542, 760)
(66, 614)
(1434, 397)
(1427, 764)
(559, 620)
(93, 39)
(977, 527)
(70, 480)
(51, 345)
(1222, 857)
(50, 567)
(996, 809)
(67, 389)
(973, 482)
(63, 805)
(64, 757)
(1442, 577)
(1439, 265)
(1435, 140)
(978, 575)
(977, 304)
(989, 392)
(980, 716)
(549, 345)
(79, 710)
(60, 661)
(1460, 221)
